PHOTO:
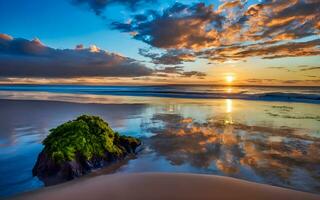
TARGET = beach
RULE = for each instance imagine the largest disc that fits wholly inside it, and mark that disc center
(164, 186)
(160, 99)
(264, 142)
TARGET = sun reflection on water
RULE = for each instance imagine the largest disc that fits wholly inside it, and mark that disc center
(229, 108)
(229, 105)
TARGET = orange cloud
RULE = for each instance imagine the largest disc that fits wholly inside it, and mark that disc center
(227, 31)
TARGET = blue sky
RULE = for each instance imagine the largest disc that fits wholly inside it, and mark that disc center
(62, 24)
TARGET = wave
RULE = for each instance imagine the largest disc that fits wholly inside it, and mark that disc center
(309, 95)
(272, 96)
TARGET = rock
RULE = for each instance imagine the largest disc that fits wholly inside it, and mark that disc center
(76, 147)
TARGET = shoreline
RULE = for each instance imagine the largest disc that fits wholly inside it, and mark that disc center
(163, 186)
(133, 99)
(276, 94)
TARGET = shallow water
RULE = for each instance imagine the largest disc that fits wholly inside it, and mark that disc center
(276, 143)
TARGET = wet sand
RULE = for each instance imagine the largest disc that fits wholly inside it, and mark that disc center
(223, 137)
(164, 186)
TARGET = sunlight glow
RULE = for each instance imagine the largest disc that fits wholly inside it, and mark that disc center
(229, 78)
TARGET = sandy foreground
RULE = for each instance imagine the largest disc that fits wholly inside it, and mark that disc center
(164, 186)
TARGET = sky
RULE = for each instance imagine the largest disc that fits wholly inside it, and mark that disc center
(148, 42)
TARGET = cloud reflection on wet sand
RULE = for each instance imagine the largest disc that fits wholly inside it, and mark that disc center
(283, 157)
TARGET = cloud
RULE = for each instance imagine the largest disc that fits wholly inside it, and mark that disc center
(277, 68)
(79, 46)
(25, 58)
(234, 31)
(170, 57)
(29, 59)
(311, 76)
(301, 68)
(280, 68)
(316, 81)
(194, 73)
(178, 71)
(284, 82)
(255, 80)
(310, 68)
(230, 5)
(263, 50)
(171, 70)
(5, 37)
(97, 6)
(179, 26)
(280, 20)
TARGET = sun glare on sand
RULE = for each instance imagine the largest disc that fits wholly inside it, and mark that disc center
(229, 79)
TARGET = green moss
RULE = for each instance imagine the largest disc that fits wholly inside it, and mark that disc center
(88, 136)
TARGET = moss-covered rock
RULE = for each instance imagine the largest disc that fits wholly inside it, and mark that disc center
(76, 147)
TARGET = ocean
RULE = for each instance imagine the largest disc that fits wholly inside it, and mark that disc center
(269, 93)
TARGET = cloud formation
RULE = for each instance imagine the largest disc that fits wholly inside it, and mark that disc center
(25, 58)
(264, 50)
(171, 70)
(179, 26)
(309, 68)
(178, 71)
(170, 57)
(194, 73)
(21, 58)
(234, 31)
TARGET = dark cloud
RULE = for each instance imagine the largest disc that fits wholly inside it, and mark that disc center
(4, 80)
(255, 80)
(285, 82)
(194, 73)
(79, 46)
(311, 76)
(179, 26)
(280, 68)
(292, 81)
(178, 70)
(234, 31)
(299, 68)
(310, 68)
(170, 57)
(277, 68)
(280, 20)
(24, 58)
(97, 6)
(264, 50)
(317, 81)
(21, 58)
(171, 70)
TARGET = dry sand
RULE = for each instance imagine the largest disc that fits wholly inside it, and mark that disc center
(153, 186)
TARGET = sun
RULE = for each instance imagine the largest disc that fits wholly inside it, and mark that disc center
(229, 79)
